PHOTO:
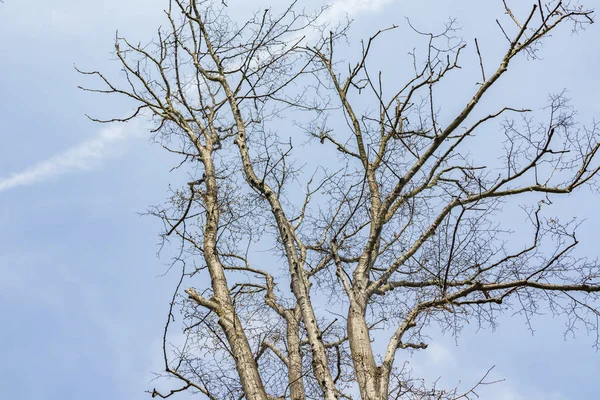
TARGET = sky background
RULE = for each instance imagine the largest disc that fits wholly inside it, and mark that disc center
(82, 304)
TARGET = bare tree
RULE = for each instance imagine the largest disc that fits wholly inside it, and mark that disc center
(397, 227)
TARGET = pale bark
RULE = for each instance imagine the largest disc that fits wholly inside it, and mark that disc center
(228, 319)
(295, 374)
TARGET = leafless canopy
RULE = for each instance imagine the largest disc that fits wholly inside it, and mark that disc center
(370, 201)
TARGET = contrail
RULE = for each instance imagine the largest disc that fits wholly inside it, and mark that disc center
(82, 156)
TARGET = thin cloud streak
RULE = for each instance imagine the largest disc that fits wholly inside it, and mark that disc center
(82, 156)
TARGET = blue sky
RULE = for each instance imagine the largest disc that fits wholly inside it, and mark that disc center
(82, 304)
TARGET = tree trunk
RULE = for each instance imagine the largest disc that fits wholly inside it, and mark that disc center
(294, 357)
(370, 382)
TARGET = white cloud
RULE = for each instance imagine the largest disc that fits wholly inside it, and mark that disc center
(339, 9)
(440, 356)
(83, 156)
(504, 391)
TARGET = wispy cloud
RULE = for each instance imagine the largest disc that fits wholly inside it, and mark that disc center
(83, 156)
(341, 8)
